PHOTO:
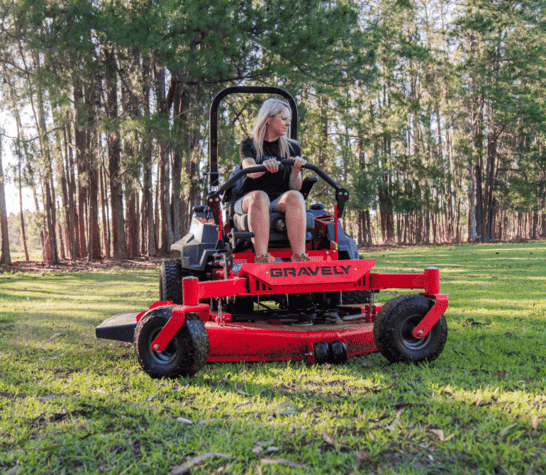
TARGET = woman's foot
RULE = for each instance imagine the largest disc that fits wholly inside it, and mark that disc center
(264, 259)
(300, 258)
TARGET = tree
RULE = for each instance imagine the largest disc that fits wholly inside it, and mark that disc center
(5, 257)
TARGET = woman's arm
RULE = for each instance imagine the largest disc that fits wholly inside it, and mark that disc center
(294, 182)
(272, 166)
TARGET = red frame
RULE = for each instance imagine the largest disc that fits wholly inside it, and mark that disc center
(275, 341)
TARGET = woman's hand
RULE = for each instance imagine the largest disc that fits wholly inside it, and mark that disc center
(271, 165)
(298, 163)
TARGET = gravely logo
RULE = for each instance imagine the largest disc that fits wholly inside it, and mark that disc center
(310, 271)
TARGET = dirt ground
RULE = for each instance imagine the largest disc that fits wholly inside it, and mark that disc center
(80, 265)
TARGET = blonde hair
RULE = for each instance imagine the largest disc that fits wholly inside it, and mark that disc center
(270, 109)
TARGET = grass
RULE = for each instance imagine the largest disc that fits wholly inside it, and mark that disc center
(72, 404)
(33, 255)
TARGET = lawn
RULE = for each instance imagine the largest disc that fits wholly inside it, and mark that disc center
(72, 404)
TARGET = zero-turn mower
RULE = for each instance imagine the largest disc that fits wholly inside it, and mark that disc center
(217, 305)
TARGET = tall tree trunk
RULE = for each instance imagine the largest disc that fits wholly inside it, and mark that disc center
(105, 214)
(5, 257)
(93, 230)
(114, 155)
(471, 205)
(67, 204)
(132, 224)
(180, 103)
(81, 151)
(23, 231)
(71, 179)
(149, 245)
(47, 178)
(164, 174)
(61, 241)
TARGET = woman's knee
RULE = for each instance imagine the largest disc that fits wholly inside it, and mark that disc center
(259, 201)
(295, 198)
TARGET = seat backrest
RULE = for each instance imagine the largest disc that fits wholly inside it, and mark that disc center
(232, 194)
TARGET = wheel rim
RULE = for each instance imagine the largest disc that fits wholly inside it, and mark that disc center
(167, 355)
(406, 333)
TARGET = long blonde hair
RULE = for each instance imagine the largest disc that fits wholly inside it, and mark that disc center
(270, 109)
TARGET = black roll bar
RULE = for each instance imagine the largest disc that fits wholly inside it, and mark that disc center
(213, 119)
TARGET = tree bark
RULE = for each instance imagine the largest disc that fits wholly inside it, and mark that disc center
(5, 257)
(69, 212)
(94, 246)
(105, 214)
(47, 178)
(114, 155)
(164, 174)
(149, 245)
(81, 150)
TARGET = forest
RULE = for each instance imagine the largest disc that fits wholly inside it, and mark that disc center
(431, 113)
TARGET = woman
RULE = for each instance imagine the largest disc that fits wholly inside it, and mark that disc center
(277, 189)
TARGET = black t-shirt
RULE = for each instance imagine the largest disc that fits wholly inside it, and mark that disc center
(274, 184)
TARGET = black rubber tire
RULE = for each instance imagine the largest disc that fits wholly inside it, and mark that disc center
(322, 352)
(339, 352)
(184, 356)
(170, 281)
(393, 327)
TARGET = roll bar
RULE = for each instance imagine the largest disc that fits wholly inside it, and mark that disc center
(213, 119)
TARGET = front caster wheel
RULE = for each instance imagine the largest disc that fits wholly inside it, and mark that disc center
(395, 323)
(184, 355)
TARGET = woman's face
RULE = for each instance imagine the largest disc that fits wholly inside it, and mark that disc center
(279, 124)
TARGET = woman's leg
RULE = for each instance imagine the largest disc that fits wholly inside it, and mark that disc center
(256, 205)
(292, 205)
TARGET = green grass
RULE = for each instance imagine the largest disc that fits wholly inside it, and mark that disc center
(72, 404)
(33, 255)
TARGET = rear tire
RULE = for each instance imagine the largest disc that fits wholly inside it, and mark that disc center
(170, 281)
(394, 326)
(184, 356)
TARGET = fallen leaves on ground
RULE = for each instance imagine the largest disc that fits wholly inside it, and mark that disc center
(394, 423)
(288, 463)
(196, 460)
(507, 428)
(55, 335)
(363, 457)
(441, 436)
(7, 395)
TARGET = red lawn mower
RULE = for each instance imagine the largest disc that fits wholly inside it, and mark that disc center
(216, 304)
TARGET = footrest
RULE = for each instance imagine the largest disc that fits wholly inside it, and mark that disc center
(120, 327)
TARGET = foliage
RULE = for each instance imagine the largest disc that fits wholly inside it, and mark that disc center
(32, 224)
(429, 112)
(71, 403)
